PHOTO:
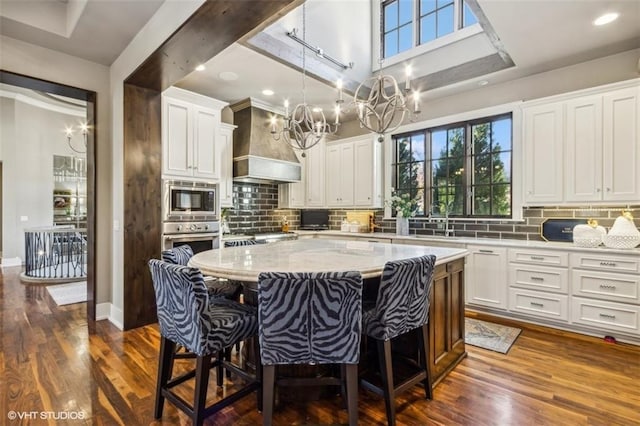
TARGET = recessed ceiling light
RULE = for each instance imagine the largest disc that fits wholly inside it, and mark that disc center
(228, 76)
(200, 67)
(606, 18)
(483, 82)
(267, 92)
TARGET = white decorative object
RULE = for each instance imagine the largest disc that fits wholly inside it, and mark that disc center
(589, 235)
(623, 233)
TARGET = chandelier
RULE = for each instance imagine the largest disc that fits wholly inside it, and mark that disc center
(84, 129)
(305, 125)
(386, 106)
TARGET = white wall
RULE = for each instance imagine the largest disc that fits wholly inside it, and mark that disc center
(35, 61)
(37, 135)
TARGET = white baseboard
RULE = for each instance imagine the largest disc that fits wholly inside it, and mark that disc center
(116, 317)
(8, 262)
(106, 311)
(102, 311)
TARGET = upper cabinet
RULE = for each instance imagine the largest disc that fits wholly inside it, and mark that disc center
(310, 191)
(543, 153)
(190, 131)
(583, 147)
(621, 144)
(340, 174)
(354, 172)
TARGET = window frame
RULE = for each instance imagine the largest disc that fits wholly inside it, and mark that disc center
(467, 178)
(415, 22)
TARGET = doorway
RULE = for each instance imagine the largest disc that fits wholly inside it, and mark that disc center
(83, 127)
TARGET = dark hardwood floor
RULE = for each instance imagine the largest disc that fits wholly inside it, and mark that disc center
(49, 362)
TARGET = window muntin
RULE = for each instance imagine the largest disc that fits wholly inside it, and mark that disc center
(463, 169)
(398, 26)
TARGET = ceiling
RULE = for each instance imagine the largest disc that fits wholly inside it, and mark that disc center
(529, 36)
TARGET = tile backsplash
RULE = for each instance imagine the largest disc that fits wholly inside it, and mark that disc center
(256, 210)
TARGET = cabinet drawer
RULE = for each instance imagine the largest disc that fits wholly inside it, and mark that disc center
(605, 263)
(539, 257)
(552, 306)
(605, 315)
(607, 286)
(539, 278)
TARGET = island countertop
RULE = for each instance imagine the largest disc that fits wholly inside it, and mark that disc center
(245, 263)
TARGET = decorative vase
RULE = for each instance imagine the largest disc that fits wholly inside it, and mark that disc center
(589, 235)
(402, 225)
(623, 233)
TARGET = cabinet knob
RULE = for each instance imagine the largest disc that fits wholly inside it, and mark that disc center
(608, 189)
(598, 189)
(368, 198)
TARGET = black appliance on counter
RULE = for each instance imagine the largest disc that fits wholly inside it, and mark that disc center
(314, 220)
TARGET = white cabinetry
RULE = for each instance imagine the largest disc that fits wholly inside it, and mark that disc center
(190, 128)
(310, 191)
(539, 283)
(592, 135)
(367, 189)
(225, 147)
(621, 142)
(606, 292)
(486, 281)
(354, 173)
(292, 195)
(603, 149)
(315, 165)
(543, 144)
(340, 174)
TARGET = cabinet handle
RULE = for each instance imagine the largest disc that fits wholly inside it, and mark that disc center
(608, 263)
(537, 257)
(485, 251)
(608, 286)
(537, 305)
(537, 279)
(609, 316)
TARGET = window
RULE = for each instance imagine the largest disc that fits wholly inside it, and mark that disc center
(398, 26)
(436, 18)
(461, 170)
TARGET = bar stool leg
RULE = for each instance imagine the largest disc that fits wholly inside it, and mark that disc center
(268, 377)
(165, 369)
(386, 373)
(203, 364)
(424, 349)
(352, 392)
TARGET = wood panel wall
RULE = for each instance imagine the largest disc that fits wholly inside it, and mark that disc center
(214, 26)
(142, 202)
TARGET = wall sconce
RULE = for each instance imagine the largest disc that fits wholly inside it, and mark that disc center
(84, 129)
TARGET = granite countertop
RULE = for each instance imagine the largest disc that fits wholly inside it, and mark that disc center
(312, 255)
(424, 239)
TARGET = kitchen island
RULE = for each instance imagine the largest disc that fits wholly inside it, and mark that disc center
(446, 313)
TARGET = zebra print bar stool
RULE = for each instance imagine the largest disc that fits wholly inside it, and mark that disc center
(181, 255)
(240, 243)
(310, 318)
(203, 325)
(402, 305)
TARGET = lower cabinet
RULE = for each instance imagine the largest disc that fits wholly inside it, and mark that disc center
(487, 281)
(538, 304)
(446, 319)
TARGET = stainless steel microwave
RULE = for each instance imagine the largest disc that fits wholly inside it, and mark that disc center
(189, 201)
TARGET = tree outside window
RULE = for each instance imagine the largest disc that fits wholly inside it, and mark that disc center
(468, 168)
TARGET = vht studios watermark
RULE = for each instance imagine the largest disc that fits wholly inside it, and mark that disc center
(46, 415)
